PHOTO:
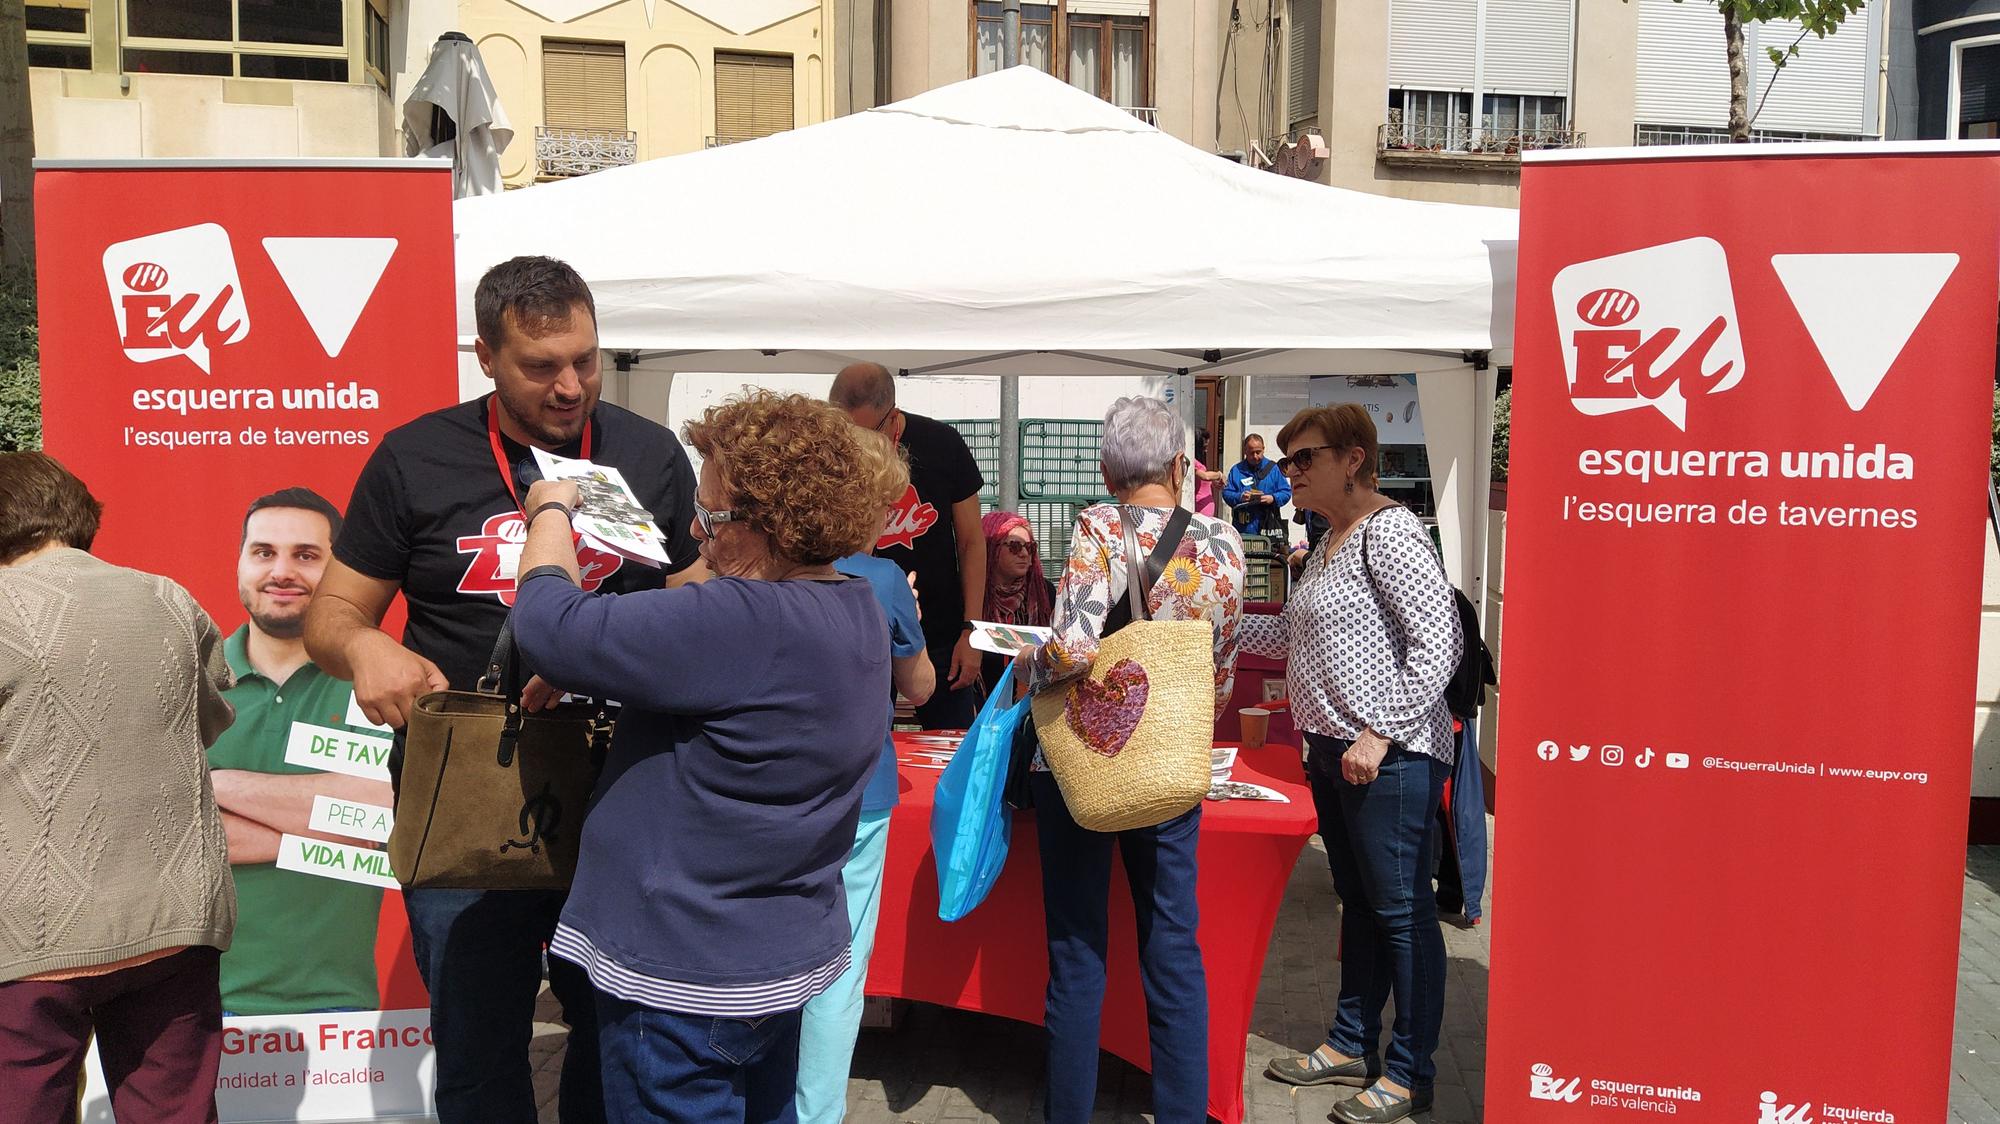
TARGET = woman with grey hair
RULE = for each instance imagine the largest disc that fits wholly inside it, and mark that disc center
(1144, 463)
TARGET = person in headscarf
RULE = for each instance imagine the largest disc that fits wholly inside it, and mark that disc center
(1016, 590)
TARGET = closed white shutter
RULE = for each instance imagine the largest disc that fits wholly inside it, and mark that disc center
(1111, 7)
(1683, 74)
(1528, 46)
(1431, 44)
(1824, 89)
(1302, 61)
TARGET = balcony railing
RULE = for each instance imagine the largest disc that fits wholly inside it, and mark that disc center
(1685, 134)
(579, 152)
(1149, 114)
(1418, 140)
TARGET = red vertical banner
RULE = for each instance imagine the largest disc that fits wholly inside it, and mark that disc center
(1746, 505)
(208, 331)
(212, 333)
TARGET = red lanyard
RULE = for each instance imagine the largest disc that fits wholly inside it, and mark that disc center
(500, 455)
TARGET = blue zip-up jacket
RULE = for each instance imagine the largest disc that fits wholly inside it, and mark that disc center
(1262, 519)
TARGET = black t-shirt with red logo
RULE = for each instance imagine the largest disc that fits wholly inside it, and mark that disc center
(431, 513)
(920, 537)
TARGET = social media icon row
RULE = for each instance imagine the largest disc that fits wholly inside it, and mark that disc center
(1612, 755)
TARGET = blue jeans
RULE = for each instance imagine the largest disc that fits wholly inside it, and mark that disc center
(1076, 888)
(832, 1018)
(1382, 842)
(696, 1069)
(480, 954)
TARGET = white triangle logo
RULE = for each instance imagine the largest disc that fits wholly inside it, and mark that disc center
(1860, 309)
(331, 279)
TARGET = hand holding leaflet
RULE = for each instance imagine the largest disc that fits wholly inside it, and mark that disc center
(611, 517)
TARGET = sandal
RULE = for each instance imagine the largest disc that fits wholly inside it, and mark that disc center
(1300, 1069)
(1376, 1105)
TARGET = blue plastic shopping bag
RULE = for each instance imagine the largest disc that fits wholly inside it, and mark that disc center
(969, 821)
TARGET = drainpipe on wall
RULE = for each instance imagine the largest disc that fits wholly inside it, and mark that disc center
(1882, 72)
(1478, 73)
(1575, 29)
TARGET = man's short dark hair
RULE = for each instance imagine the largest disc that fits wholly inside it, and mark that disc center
(305, 499)
(539, 294)
(42, 502)
(1249, 437)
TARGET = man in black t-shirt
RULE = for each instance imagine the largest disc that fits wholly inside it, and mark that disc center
(436, 517)
(933, 532)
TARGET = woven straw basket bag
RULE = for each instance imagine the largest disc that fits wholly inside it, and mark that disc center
(1129, 743)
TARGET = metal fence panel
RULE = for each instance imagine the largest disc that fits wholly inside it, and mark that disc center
(983, 438)
(1059, 460)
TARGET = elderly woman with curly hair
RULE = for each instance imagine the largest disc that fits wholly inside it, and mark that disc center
(708, 906)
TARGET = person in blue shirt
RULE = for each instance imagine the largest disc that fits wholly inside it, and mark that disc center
(707, 907)
(1257, 492)
(833, 1017)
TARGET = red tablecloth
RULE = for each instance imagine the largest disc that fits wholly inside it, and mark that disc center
(996, 960)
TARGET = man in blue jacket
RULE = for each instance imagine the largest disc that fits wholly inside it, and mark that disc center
(1257, 492)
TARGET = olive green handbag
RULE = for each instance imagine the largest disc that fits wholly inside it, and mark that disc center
(492, 797)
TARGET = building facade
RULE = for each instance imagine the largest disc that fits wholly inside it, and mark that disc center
(591, 84)
(1945, 65)
(242, 78)
(1378, 95)
(587, 84)
(1382, 93)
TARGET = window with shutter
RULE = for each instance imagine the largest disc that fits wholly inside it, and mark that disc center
(1302, 62)
(289, 40)
(753, 95)
(583, 86)
(1978, 91)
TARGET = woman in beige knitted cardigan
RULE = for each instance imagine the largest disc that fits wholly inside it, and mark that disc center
(115, 895)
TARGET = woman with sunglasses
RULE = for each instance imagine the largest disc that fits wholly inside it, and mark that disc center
(1370, 637)
(707, 906)
(1016, 590)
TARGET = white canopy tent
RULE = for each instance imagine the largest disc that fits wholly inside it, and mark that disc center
(1013, 225)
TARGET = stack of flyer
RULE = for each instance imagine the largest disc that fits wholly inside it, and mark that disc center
(611, 517)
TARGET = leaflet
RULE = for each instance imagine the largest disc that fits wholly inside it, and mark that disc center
(611, 516)
(1006, 639)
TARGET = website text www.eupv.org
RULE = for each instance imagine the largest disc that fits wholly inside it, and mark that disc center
(1806, 769)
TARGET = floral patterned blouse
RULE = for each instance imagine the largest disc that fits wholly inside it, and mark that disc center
(1203, 581)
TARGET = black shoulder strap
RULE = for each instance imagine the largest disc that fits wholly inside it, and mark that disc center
(1156, 564)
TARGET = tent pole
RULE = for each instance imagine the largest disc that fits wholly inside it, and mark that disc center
(1010, 442)
(1010, 385)
(1180, 393)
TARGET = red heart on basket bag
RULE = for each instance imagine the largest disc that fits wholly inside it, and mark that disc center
(1105, 712)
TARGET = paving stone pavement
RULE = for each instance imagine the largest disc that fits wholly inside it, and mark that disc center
(948, 1066)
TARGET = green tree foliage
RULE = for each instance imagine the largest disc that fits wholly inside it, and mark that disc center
(1503, 416)
(20, 365)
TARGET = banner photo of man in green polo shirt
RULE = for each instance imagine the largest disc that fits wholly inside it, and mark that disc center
(303, 784)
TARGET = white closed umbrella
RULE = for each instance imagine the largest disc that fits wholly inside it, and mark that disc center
(454, 112)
